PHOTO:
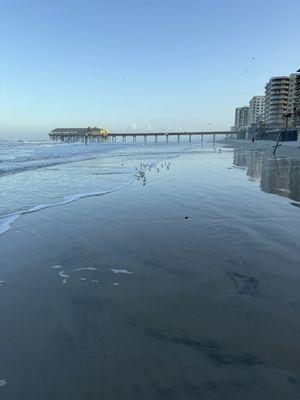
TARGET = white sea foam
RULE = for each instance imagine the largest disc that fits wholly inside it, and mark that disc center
(82, 279)
(87, 268)
(64, 275)
(6, 222)
(3, 382)
(57, 266)
(121, 271)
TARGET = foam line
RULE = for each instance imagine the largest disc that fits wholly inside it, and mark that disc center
(7, 220)
(121, 271)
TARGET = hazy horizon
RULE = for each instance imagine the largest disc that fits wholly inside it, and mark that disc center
(129, 66)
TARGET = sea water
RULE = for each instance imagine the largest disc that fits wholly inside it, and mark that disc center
(43, 174)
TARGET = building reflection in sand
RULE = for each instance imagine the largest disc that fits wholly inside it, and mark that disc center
(276, 175)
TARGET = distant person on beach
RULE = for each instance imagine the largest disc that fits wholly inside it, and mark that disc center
(253, 140)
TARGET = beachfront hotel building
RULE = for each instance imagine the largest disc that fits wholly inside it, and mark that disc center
(293, 98)
(241, 118)
(293, 107)
(256, 109)
(276, 101)
(297, 100)
(269, 113)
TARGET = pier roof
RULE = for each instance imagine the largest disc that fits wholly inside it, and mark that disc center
(76, 129)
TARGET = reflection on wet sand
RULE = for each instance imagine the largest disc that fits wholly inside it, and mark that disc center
(277, 175)
(175, 288)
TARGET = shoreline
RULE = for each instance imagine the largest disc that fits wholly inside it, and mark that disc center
(288, 150)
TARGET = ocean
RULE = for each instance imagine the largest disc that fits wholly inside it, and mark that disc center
(40, 174)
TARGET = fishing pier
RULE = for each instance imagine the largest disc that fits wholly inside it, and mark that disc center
(97, 135)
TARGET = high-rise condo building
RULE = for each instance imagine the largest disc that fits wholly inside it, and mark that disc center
(276, 101)
(241, 117)
(294, 99)
(256, 109)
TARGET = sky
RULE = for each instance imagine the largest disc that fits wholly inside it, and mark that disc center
(143, 65)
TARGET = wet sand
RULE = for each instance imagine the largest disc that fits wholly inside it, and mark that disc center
(186, 287)
(286, 149)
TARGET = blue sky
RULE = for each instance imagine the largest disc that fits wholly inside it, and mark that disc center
(124, 65)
